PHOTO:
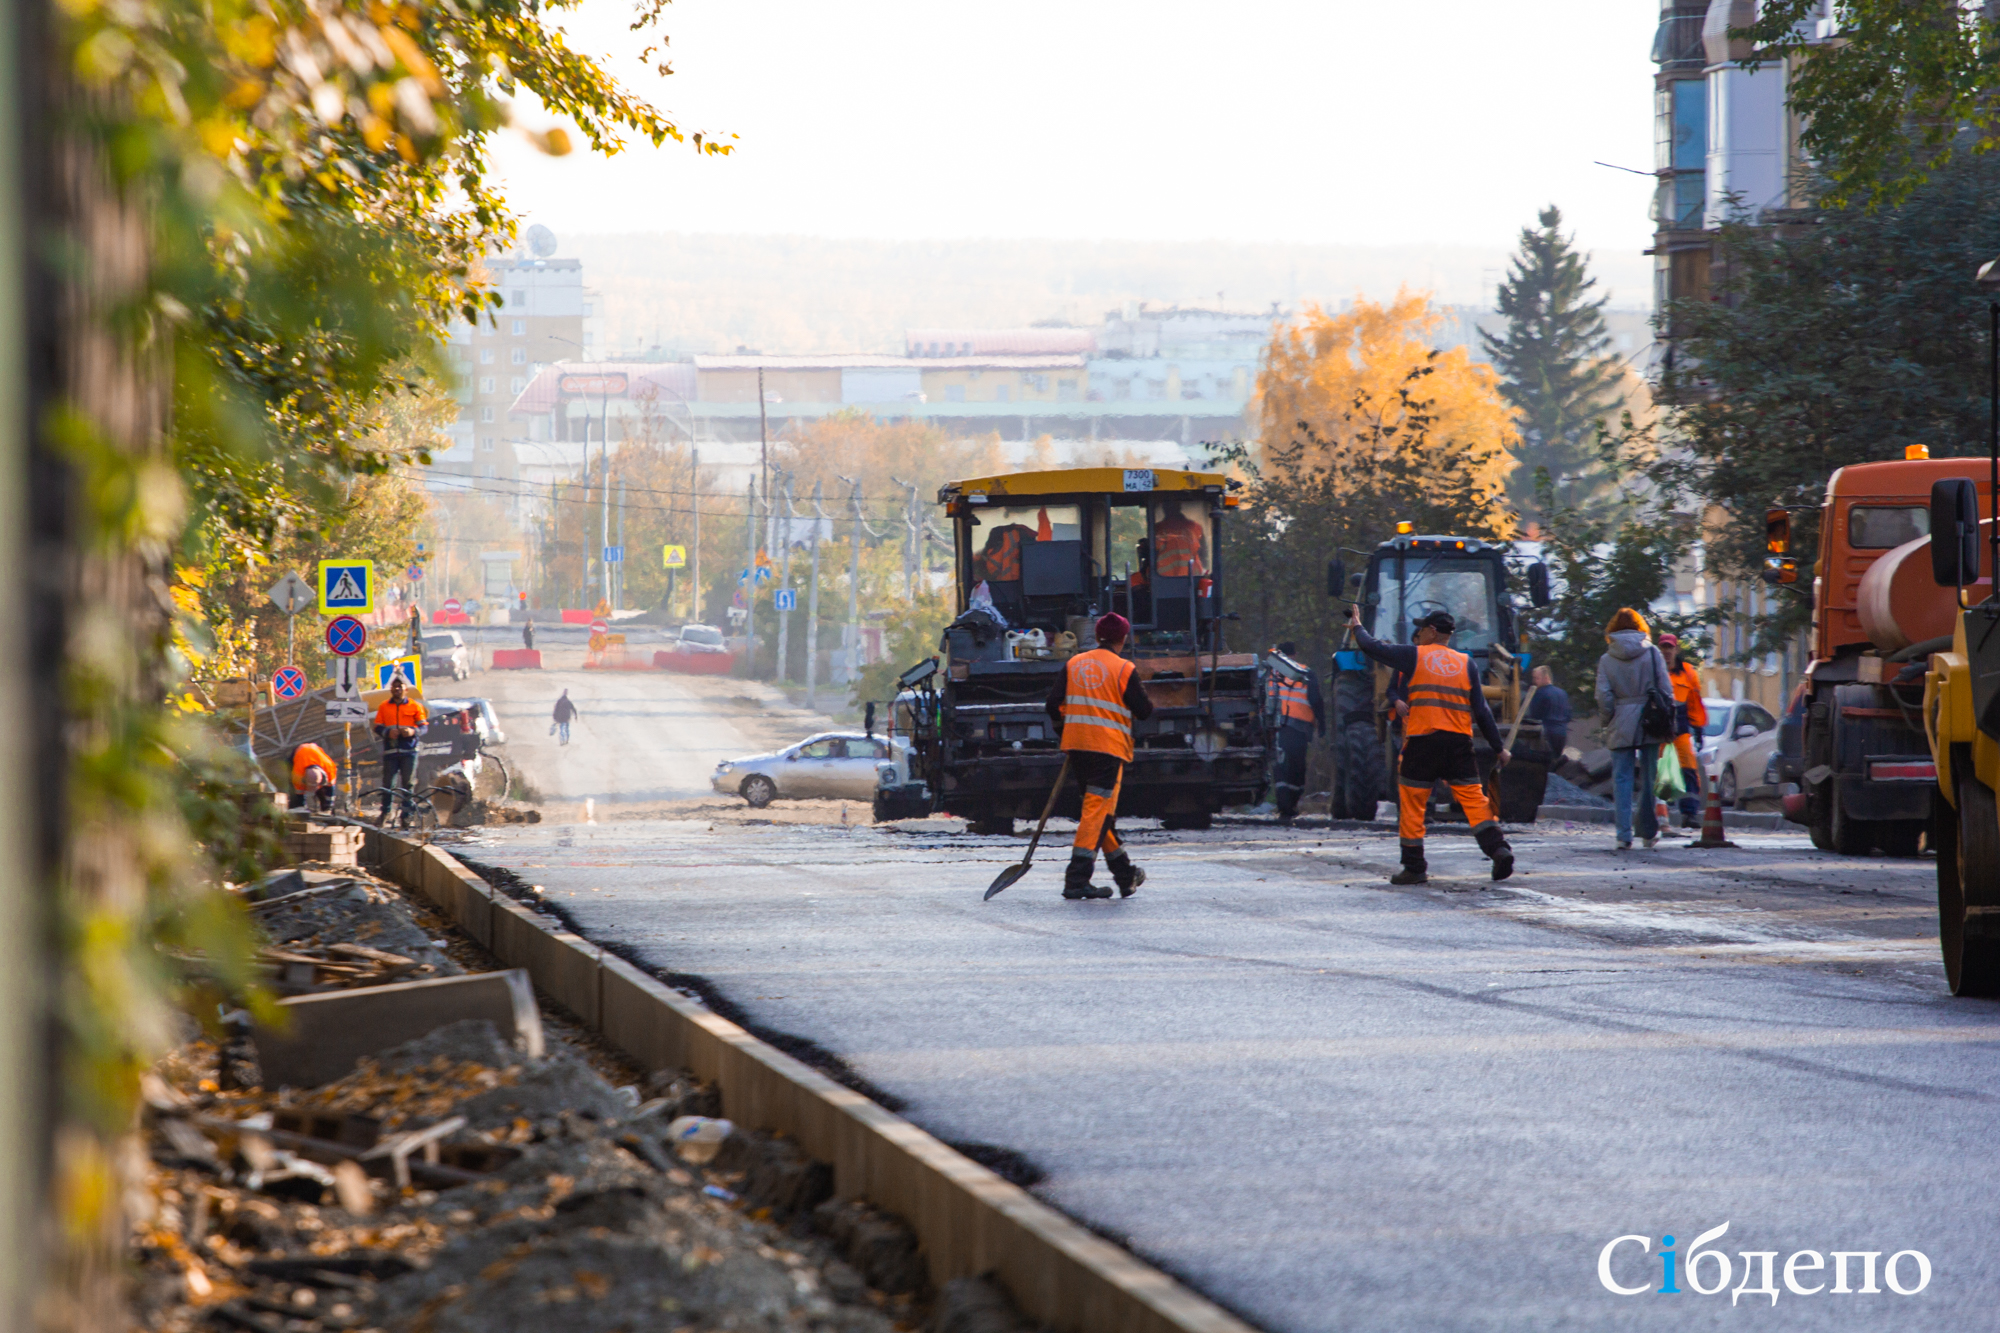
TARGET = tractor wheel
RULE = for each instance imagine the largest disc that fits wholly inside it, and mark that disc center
(1968, 872)
(991, 826)
(1191, 823)
(1521, 785)
(1819, 818)
(1357, 750)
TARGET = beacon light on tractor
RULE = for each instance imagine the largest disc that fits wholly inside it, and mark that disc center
(1040, 556)
(1407, 578)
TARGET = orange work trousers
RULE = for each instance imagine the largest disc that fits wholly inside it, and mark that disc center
(1684, 747)
(1102, 776)
(1413, 803)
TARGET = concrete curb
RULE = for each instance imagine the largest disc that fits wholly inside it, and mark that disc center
(1746, 821)
(969, 1221)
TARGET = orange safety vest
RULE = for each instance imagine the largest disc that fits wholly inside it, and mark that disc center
(1177, 547)
(1687, 691)
(1440, 692)
(1292, 699)
(1094, 713)
(409, 713)
(311, 756)
(1000, 562)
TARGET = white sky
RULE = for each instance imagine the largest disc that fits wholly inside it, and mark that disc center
(1335, 122)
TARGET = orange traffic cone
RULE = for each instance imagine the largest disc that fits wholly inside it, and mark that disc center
(1711, 816)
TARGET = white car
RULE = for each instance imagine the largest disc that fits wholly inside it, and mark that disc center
(1736, 745)
(839, 765)
(699, 639)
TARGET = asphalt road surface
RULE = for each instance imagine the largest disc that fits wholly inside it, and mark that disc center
(1333, 1104)
(642, 740)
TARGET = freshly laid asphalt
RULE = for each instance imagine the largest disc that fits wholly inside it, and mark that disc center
(1332, 1104)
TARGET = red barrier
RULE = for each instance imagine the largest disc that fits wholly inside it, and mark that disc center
(696, 664)
(517, 659)
(450, 618)
(570, 617)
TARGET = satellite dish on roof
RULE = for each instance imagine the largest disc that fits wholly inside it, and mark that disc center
(541, 241)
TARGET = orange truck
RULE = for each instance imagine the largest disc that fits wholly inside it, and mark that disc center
(1861, 758)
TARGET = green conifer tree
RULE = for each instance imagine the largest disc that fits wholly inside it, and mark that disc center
(1554, 369)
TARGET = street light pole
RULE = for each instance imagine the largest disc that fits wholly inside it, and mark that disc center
(812, 606)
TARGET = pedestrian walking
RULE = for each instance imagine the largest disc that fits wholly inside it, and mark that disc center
(1094, 702)
(1445, 703)
(313, 775)
(1301, 715)
(1636, 712)
(1690, 715)
(1551, 708)
(565, 712)
(398, 723)
(528, 635)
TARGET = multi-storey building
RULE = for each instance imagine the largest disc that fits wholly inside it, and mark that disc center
(540, 320)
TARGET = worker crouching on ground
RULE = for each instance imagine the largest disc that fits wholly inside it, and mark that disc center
(313, 776)
(1095, 703)
(1445, 702)
(1301, 715)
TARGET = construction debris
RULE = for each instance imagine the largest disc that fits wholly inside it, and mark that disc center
(323, 1036)
(459, 1183)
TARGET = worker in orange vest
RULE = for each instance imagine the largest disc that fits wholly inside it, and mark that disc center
(1301, 715)
(398, 723)
(1690, 716)
(1446, 702)
(1095, 702)
(999, 561)
(313, 776)
(1178, 546)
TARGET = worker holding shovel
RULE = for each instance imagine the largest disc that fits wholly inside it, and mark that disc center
(1095, 703)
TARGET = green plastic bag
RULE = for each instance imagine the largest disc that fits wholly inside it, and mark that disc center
(1668, 784)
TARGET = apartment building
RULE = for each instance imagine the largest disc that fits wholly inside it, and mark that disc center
(539, 321)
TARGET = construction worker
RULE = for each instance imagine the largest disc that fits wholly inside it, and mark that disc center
(999, 561)
(313, 776)
(1301, 716)
(398, 723)
(1095, 702)
(1179, 543)
(528, 634)
(1445, 702)
(1690, 715)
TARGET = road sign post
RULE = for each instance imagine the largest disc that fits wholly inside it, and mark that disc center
(291, 594)
(288, 683)
(346, 636)
(346, 585)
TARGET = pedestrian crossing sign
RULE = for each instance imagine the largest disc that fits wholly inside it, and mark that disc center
(346, 585)
(411, 669)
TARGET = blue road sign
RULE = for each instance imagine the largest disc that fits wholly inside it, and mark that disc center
(614, 555)
(346, 585)
(289, 683)
(345, 636)
(787, 599)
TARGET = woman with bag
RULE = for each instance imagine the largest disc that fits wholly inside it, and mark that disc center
(1635, 705)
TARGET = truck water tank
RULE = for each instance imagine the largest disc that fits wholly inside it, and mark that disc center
(1899, 605)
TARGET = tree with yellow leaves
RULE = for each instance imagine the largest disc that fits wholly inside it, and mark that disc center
(1354, 390)
(1360, 424)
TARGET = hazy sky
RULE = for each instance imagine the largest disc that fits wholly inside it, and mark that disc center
(1329, 121)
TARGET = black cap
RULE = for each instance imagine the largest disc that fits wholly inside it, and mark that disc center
(1288, 648)
(1440, 621)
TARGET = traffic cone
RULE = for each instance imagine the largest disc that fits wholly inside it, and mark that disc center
(1711, 816)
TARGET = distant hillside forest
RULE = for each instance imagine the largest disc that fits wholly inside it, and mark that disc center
(699, 293)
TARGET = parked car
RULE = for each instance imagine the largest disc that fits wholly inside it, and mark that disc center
(484, 720)
(699, 639)
(1736, 745)
(844, 765)
(445, 654)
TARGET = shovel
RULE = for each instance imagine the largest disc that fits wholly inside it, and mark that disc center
(1012, 873)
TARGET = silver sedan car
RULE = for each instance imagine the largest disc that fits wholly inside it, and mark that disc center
(837, 765)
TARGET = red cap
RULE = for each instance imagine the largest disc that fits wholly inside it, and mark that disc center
(1112, 627)
(1669, 641)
